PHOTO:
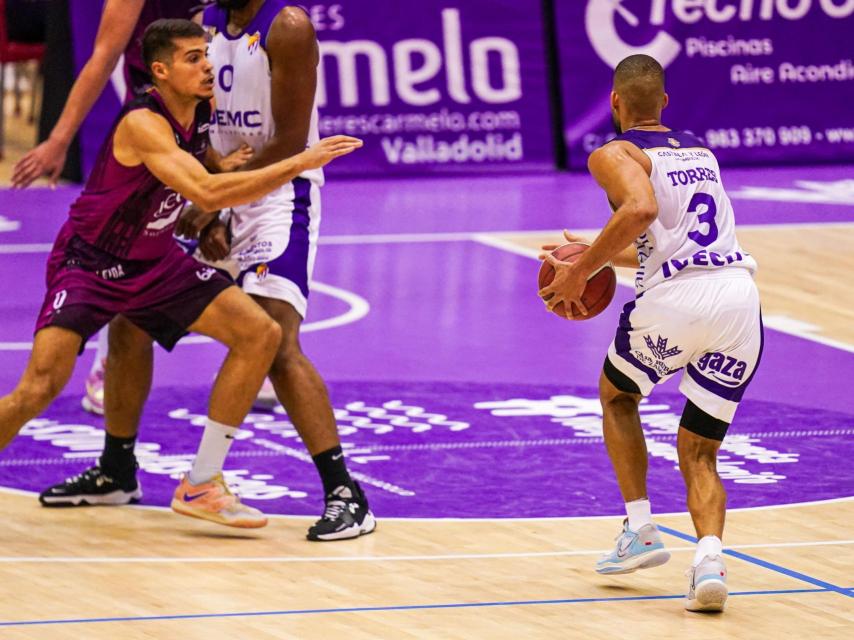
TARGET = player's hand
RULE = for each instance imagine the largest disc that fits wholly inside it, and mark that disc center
(213, 242)
(567, 287)
(570, 237)
(236, 159)
(327, 150)
(47, 159)
(192, 221)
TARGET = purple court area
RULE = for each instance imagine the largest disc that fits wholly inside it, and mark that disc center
(456, 394)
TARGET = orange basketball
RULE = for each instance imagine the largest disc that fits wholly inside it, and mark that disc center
(600, 286)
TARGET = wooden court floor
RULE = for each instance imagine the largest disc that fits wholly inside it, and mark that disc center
(146, 573)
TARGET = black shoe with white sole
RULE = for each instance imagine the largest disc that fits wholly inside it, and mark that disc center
(92, 487)
(346, 516)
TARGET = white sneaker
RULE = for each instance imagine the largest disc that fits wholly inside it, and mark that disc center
(707, 590)
(93, 400)
(266, 396)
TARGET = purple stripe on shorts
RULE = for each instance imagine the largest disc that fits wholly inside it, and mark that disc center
(623, 346)
(293, 263)
(733, 394)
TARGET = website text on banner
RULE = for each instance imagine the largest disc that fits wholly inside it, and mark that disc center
(431, 86)
(763, 81)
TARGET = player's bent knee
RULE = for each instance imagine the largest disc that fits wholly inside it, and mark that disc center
(614, 383)
(38, 390)
(703, 424)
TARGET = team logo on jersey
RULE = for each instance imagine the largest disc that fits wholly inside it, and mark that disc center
(673, 142)
(253, 42)
(659, 349)
(261, 272)
(205, 274)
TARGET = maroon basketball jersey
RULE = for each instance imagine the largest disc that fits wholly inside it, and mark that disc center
(126, 211)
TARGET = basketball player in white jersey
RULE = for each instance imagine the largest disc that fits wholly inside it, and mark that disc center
(696, 308)
(265, 57)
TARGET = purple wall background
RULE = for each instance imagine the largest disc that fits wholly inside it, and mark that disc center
(481, 99)
(747, 122)
(85, 16)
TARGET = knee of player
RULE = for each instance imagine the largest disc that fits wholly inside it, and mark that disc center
(39, 388)
(269, 334)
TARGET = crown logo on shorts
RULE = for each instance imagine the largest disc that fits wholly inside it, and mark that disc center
(659, 349)
(673, 142)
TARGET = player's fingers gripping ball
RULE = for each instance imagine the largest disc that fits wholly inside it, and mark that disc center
(600, 288)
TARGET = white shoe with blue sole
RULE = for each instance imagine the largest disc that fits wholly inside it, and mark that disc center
(635, 550)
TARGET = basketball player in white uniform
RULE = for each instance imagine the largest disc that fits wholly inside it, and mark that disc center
(697, 309)
(265, 57)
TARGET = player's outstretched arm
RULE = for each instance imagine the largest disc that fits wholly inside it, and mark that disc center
(118, 21)
(144, 137)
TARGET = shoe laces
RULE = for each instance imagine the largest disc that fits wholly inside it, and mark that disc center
(334, 508)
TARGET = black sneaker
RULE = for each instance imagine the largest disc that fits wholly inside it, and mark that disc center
(91, 487)
(347, 516)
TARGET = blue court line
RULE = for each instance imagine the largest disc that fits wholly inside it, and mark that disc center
(411, 607)
(767, 565)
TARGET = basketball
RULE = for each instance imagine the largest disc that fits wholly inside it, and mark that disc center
(600, 286)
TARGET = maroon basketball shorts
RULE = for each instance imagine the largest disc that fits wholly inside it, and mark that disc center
(86, 288)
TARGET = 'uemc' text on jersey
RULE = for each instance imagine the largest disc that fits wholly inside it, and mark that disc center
(126, 211)
(694, 233)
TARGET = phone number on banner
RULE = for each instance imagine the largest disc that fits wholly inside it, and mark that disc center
(772, 137)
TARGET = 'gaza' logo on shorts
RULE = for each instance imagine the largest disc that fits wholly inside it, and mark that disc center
(723, 365)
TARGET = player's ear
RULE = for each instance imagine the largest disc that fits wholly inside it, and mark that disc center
(665, 101)
(615, 100)
(159, 70)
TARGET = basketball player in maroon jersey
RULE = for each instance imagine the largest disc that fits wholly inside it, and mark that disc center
(115, 254)
(119, 36)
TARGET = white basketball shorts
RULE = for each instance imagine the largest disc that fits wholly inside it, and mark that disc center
(709, 325)
(274, 244)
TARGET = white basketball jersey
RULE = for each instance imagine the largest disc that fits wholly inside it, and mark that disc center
(694, 233)
(242, 85)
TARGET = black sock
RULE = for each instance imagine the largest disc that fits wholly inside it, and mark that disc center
(332, 469)
(118, 458)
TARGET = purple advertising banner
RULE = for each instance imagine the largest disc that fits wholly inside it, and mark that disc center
(763, 81)
(436, 86)
(431, 86)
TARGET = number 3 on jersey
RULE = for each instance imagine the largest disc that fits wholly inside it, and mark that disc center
(706, 217)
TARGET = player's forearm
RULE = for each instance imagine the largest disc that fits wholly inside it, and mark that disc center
(85, 91)
(615, 241)
(241, 187)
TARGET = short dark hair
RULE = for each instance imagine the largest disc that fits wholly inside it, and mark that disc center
(158, 41)
(639, 79)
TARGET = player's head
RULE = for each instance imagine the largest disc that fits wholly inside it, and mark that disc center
(175, 53)
(638, 95)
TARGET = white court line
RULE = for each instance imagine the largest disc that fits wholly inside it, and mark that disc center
(449, 236)
(407, 558)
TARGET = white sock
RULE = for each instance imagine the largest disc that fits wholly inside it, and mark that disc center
(639, 512)
(707, 546)
(216, 441)
(103, 348)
